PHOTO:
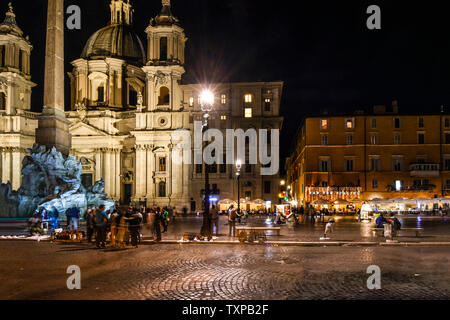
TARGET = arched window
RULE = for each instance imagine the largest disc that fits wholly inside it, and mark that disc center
(164, 96)
(2, 101)
(163, 49)
(162, 189)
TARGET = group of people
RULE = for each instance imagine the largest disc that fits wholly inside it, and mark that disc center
(392, 219)
(124, 227)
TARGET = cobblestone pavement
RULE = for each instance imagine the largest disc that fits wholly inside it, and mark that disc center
(31, 270)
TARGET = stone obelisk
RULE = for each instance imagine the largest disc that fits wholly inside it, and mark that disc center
(53, 127)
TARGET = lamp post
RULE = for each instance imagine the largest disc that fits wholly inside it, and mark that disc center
(206, 105)
(238, 174)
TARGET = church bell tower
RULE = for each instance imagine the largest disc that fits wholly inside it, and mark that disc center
(165, 64)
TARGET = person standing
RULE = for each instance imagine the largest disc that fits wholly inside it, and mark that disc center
(165, 219)
(140, 218)
(115, 222)
(144, 211)
(174, 214)
(53, 213)
(75, 218)
(101, 220)
(68, 219)
(232, 221)
(134, 222)
(214, 220)
(89, 218)
(157, 224)
(150, 218)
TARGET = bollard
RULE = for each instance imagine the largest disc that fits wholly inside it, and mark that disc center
(388, 232)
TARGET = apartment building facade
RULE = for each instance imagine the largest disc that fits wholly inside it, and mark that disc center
(383, 155)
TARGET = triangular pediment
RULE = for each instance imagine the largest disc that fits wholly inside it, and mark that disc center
(84, 129)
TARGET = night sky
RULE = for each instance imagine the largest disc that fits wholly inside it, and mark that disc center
(322, 50)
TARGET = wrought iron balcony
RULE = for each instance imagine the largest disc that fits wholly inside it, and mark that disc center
(424, 170)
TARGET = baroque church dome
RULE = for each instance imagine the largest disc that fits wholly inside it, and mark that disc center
(116, 41)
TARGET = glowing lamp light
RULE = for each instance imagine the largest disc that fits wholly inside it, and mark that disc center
(238, 164)
(207, 99)
(283, 182)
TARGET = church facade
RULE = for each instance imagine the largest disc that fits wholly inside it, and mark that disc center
(126, 103)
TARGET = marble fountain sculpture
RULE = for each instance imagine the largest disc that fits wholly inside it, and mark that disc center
(51, 181)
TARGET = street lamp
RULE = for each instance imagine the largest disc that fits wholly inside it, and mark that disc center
(206, 105)
(238, 174)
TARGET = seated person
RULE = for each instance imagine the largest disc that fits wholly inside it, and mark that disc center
(380, 221)
(396, 224)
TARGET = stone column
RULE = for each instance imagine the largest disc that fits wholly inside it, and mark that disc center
(150, 170)
(6, 165)
(113, 174)
(141, 172)
(170, 175)
(107, 174)
(176, 173)
(186, 182)
(118, 175)
(98, 164)
(16, 165)
(53, 127)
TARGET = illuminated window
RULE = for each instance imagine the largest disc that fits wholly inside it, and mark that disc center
(223, 117)
(349, 123)
(191, 101)
(223, 99)
(324, 124)
(162, 164)
(248, 98)
(248, 112)
(267, 103)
